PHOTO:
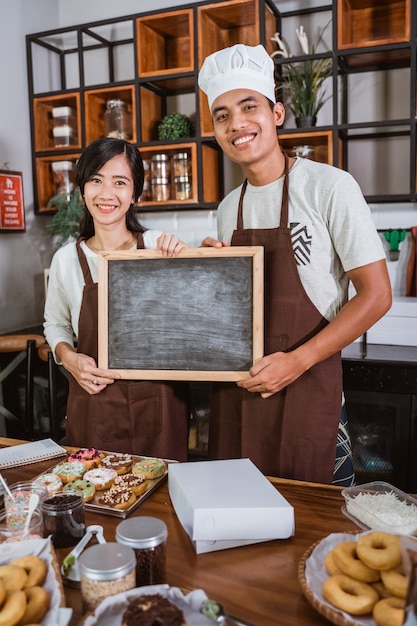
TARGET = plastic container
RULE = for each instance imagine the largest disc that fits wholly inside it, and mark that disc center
(10, 532)
(147, 537)
(63, 131)
(63, 518)
(63, 176)
(106, 569)
(118, 120)
(397, 511)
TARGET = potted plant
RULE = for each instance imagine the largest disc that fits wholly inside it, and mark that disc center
(302, 83)
(175, 126)
(65, 224)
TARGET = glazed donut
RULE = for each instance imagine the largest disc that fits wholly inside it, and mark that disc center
(14, 577)
(101, 477)
(118, 498)
(395, 581)
(346, 558)
(37, 604)
(13, 608)
(379, 550)
(121, 463)
(137, 484)
(90, 457)
(389, 612)
(149, 468)
(51, 481)
(330, 564)
(84, 486)
(69, 471)
(350, 595)
(34, 567)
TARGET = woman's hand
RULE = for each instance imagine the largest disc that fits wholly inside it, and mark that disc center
(84, 369)
(169, 245)
(210, 242)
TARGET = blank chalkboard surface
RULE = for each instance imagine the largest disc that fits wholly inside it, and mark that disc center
(197, 316)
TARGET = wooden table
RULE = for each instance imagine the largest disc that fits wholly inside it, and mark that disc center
(258, 583)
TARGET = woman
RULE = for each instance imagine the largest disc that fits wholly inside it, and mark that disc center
(147, 418)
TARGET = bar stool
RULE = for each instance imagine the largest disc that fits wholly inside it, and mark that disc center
(24, 346)
(45, 354)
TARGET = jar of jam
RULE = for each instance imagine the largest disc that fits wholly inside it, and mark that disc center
(147, 537)
(105, 569)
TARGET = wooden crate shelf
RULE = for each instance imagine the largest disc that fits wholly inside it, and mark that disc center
(321, 141)
(364, 23)
(46, 185)
(165, 43)
(95, 106)
(44, 123)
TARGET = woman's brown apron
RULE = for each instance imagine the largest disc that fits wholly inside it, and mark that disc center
(137, 417)
(293, 433)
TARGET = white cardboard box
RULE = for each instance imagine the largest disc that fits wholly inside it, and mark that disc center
(225, 504)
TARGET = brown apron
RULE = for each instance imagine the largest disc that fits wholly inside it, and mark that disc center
(137, 417)
(293, 433)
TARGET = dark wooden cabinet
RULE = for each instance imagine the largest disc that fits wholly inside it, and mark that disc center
(381, 404)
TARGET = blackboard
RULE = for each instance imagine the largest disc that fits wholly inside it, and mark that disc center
(197, 316)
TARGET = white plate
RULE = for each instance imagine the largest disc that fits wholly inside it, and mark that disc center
(110, 611)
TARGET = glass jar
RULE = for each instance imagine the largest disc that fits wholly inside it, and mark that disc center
(160, 166)
(10, 532)
(17, 508)
(147, 537)
(181, 164)
(63, 176)
(182, 188)
(118, 120)
(105, 569)
(64, 132)
(146, 194)
(160, 189)
(63, 518)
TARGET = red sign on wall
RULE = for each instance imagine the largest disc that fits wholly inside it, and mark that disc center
(12, 210)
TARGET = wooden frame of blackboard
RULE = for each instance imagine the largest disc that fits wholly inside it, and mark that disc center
(198, 316)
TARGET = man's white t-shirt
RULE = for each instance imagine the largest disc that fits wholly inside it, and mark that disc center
(331, 227)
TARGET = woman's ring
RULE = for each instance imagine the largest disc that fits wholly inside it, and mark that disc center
(95, 381)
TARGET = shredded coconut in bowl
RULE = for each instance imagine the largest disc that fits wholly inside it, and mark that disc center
(384, 511)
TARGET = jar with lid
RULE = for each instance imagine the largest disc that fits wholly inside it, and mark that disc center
(147, 537)
(63, 518)
(105, 569)
(118, 120)
(161, 189)
(146, 190)
(181, 164)
(182, 188)
(160, 166)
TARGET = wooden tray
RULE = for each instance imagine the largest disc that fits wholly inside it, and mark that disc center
(103, 509)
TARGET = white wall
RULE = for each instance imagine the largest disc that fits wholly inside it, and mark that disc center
(24, 256)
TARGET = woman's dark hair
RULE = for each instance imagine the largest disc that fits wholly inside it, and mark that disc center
(92, 160)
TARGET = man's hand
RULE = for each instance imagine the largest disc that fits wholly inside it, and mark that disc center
(272, 373)
(210, 242)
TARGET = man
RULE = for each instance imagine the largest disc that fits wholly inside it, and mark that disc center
(318, 235)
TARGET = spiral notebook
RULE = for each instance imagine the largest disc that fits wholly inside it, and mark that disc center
(32, 452)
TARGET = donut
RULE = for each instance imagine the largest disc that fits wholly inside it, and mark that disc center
(137, 484)
(330, 564)
(101, 477)
(35, 569)
(84, 486)
(350, 595)
(121, 463)
(120, 498)
(346, 558)
(395, 581)
(381, 589)
(389, 612)
(3, 591)
(51, 481)
(37, 604)
(90, 457)
(13, 608)
(379, 550)
(149, 468)
(14, 577)
(69, 471)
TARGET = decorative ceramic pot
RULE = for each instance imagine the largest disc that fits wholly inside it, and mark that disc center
(306, 121)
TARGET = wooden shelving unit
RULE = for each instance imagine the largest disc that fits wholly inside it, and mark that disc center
(378, 38)
(150, 61)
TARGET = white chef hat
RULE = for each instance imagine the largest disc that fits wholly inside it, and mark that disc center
(237, 67)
